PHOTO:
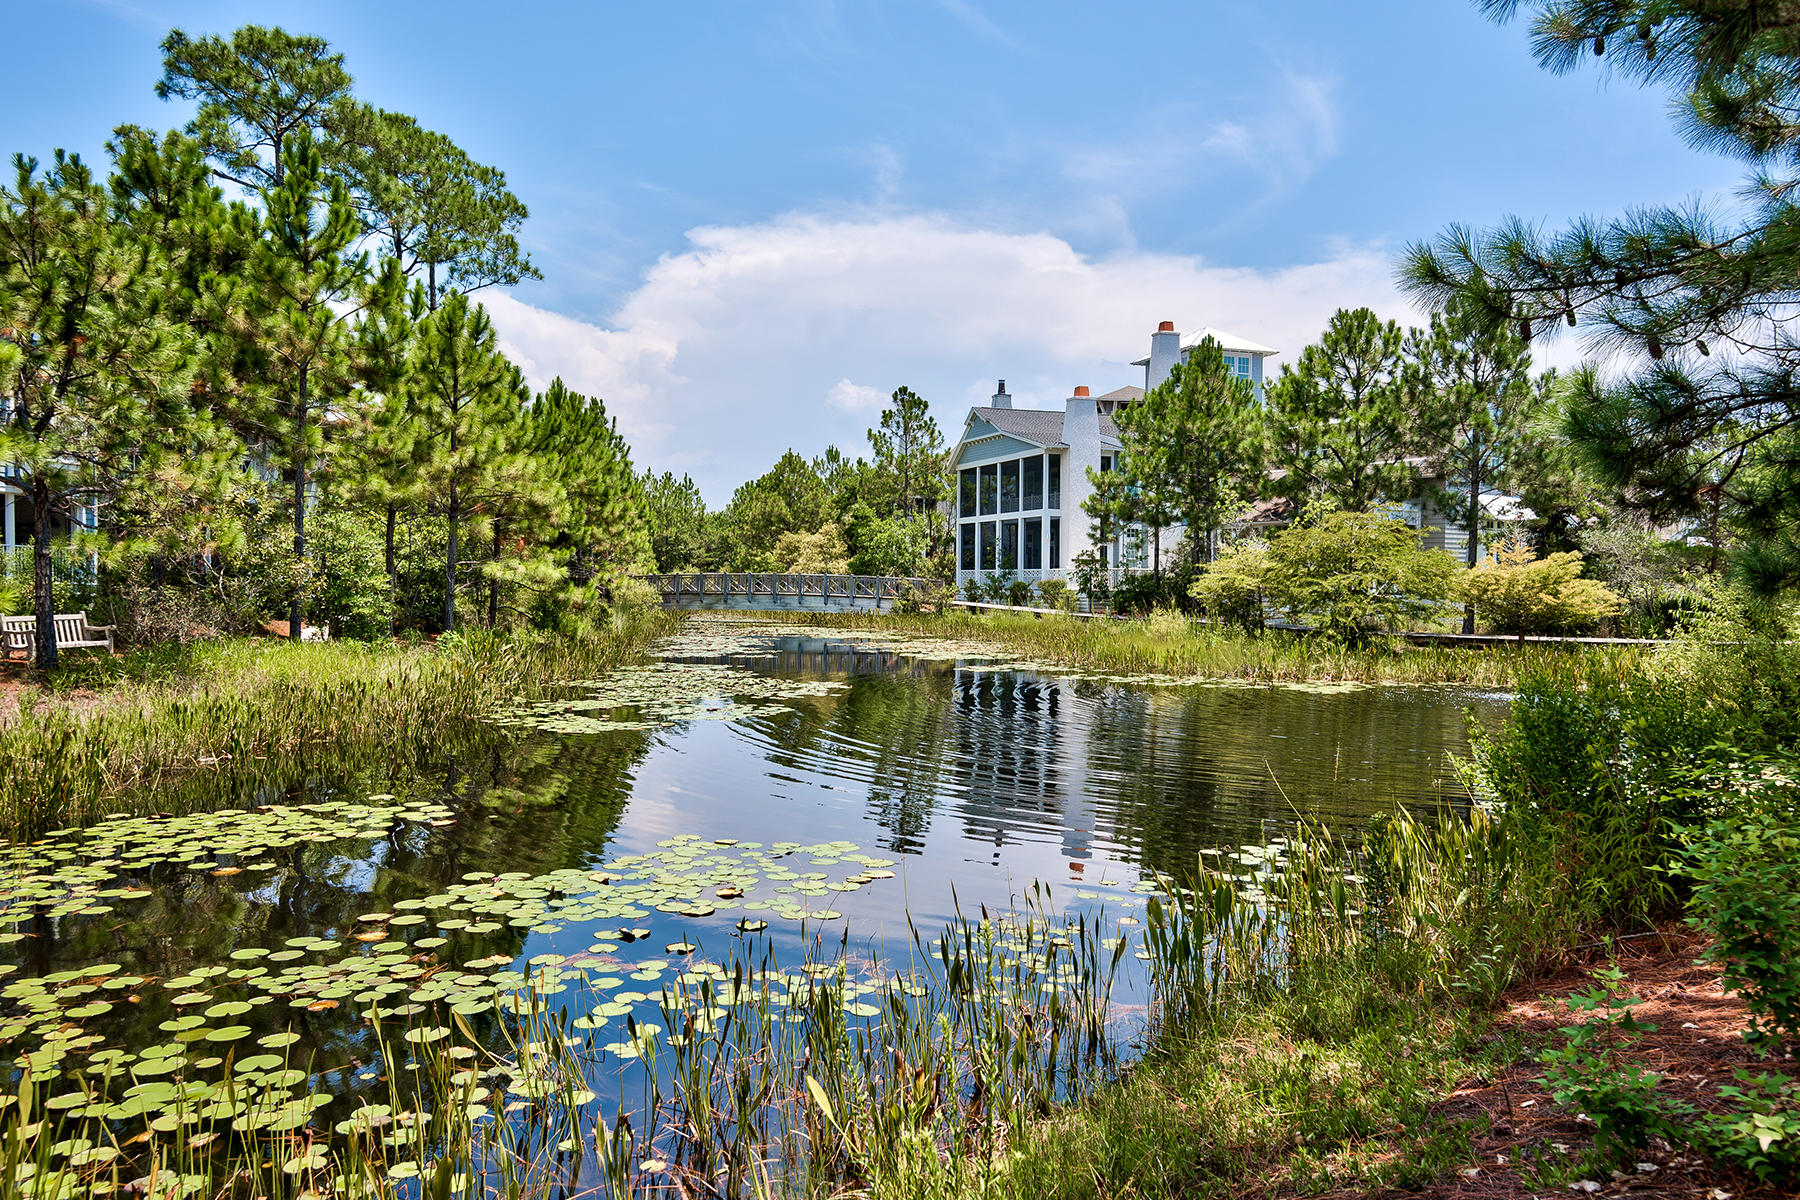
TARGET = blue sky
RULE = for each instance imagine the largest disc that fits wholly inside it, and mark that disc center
(756, 219)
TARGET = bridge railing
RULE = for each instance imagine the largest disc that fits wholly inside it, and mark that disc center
(746, 587)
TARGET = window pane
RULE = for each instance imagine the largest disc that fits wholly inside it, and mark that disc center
(968, 545)
(990, 489)
(968, 492)
(1034, 544)
(1055, 541)
(1034, 483)
(987, 545)
(1055, 483)
(1009, 545)
(1009, 486)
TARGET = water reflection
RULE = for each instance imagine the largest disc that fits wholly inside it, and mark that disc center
(977, 780)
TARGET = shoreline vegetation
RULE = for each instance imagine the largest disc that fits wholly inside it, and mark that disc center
(1170, 644)
(1315, 1009)
(113, 735)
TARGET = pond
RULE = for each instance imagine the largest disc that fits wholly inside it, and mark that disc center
(757, 786)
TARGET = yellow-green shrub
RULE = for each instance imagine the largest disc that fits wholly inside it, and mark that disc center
(1518, 592)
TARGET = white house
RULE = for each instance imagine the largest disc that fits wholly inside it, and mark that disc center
(1022, 472)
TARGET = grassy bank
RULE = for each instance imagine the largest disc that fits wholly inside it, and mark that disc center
(1169, 645)
(106, 735)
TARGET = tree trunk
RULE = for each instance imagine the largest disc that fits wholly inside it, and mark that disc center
(1473, 555)
(297, 606)
(393, 572)
(494, 581)
(1156, 551)
(450, 574)
(43, 605)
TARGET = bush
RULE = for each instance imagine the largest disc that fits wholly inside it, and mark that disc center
(1145, 592)
(1233, 588)
(1746, 868)
(1056, 593)
(1018, 593)
(1595, 779)
(349, 577)
(973, 589)
(1587, 1074)
(1762, 1137)
(1515, 592)
(1351, 573)
(996, 588)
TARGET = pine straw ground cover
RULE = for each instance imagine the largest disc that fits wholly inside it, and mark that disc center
(1524, 1145)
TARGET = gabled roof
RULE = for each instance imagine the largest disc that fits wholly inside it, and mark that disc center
(1128, 392)
(1231, 343)
(1040, 426)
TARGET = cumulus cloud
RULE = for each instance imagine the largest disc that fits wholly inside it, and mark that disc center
(856, 398)
(746, 343)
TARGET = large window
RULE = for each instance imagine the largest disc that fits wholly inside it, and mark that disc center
(987, 545)
(1009, 545)
(1034, 483)
(1034, 544)
(1055, 540)
(967, 508)
(990, 490)
(1055, 483)
(968, 546)
(1009, 486)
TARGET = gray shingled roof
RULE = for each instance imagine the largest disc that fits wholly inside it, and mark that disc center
(1040, 425)
(1128, 392)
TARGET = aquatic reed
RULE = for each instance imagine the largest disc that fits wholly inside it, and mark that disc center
(990, 1060)
(234, 704)
(1167, 644)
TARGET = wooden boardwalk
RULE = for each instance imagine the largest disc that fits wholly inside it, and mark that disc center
(784, 592)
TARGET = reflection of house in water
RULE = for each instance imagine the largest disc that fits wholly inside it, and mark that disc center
(1021, 755)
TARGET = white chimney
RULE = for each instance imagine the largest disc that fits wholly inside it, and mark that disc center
(1001, 399)
(1081, 434)
(1165, 352)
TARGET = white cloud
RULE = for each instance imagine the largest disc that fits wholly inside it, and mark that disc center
(856, 398)
(747, 342)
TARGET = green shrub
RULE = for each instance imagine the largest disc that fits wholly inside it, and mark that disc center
(996, 588)
(1352, 573)
(1056, 593)
(1516, 592)
(1018, 593)
(1596, 778)
(1746, 868)
(973, 589)
(1588, 1073)
(1234, 586)
(1762, 1135)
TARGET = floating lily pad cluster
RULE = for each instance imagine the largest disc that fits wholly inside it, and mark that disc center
(669, 693)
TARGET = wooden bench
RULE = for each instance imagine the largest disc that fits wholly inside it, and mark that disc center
(72, 633)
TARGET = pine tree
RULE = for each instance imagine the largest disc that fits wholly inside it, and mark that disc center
(1706, 421)
(431, 206)
(600, 525)
(910, 454)
(95, 373)
(1193, 451)
(1473, 394)
(308, 289)
(256, 92)
(675, 515)
(465, 402)
(380, 467)
(1338, 419)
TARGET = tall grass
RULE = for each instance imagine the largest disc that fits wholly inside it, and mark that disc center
(1168, 644)
(69, 757)
(1297, 1015)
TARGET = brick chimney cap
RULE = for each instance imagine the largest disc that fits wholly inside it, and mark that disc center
(1082, 390)
(1166, 327)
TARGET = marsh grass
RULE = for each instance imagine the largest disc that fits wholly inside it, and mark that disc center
(1169, 644)
(146, 722)
(1306, 1011)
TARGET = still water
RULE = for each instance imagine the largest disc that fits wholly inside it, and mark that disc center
(750, 774)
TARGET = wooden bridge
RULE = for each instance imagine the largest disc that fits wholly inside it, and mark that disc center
(777, 592)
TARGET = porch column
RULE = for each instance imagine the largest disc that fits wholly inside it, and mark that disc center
(12, 533)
